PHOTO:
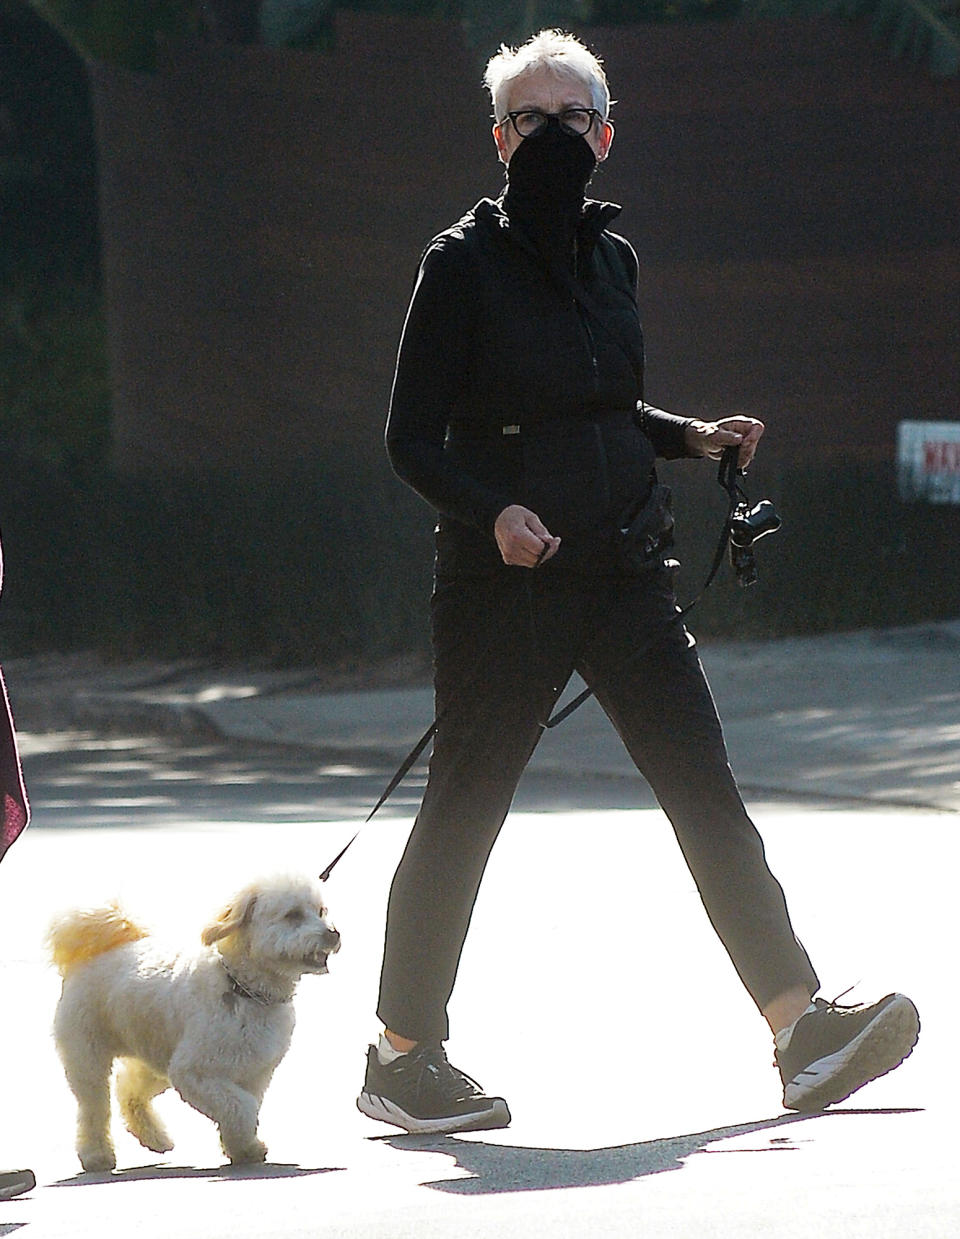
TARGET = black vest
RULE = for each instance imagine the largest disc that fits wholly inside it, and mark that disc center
(547, 413)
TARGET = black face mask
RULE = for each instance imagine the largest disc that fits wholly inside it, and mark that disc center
(546, 179)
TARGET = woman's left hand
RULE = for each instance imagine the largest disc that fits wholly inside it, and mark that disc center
(710, 438)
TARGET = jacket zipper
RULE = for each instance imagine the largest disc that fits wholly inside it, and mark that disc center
(591, 344)
(592, 349)
(581, 314)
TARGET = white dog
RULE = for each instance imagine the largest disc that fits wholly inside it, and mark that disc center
(213, 1024)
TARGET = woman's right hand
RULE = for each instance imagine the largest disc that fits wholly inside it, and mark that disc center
(523, 539)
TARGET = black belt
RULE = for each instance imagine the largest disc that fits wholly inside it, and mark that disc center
(510, 428)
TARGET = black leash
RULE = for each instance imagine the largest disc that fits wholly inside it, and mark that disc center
(401, 773)
(727, 477)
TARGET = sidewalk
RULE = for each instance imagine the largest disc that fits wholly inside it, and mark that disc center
(871, 715)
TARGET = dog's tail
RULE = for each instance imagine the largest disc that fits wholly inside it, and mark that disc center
(85, 933)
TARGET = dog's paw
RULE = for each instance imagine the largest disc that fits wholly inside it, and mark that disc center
(97, 1158)
(158, 1142)
(254, 1152)
(151, 1134)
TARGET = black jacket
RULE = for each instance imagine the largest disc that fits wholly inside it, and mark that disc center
(507, 391)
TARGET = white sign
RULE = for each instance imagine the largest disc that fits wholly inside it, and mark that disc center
(928, 461)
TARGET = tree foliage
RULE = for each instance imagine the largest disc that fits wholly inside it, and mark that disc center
(924, 31)
(122, 32)
(127, 32)
(54, 391)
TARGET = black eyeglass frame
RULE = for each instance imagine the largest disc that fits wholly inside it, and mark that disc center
(594, 113)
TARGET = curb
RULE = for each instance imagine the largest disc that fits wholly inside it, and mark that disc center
(109, 715)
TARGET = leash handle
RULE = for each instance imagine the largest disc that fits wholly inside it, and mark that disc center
(729, 471)
(727, 475)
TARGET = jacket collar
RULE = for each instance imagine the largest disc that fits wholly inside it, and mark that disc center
(594, 218)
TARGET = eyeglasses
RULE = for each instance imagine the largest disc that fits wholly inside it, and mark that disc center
(578, 121)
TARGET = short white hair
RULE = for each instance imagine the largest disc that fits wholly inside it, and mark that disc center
(555, 51)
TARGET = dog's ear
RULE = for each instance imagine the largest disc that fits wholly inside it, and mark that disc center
(237, 913)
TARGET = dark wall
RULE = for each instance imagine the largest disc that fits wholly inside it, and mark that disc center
(792, 195)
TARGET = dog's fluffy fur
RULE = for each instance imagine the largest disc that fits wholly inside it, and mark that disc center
(212, 1024)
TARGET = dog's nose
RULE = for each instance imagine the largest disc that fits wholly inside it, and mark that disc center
(331, 940)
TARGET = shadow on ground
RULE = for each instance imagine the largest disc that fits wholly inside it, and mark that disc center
(223, 1174)
(77, 778)
(496, 1168)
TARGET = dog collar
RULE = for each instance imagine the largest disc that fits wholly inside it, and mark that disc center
(244, 991)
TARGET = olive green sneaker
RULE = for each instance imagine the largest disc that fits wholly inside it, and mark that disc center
(422, 1092)
(833, 1050)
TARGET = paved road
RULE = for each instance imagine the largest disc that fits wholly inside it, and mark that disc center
(592, 994)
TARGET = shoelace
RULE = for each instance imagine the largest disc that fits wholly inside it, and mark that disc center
(834, 1006)
(453, 1084)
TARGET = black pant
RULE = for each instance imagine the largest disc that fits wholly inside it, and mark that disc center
(504, 649)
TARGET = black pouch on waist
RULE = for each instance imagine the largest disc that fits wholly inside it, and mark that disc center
(645, 529)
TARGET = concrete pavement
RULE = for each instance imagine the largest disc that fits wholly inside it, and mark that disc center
(599, 1002)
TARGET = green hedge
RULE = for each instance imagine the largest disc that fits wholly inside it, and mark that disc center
(849, 553)
(322, 564)
(329, 564)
